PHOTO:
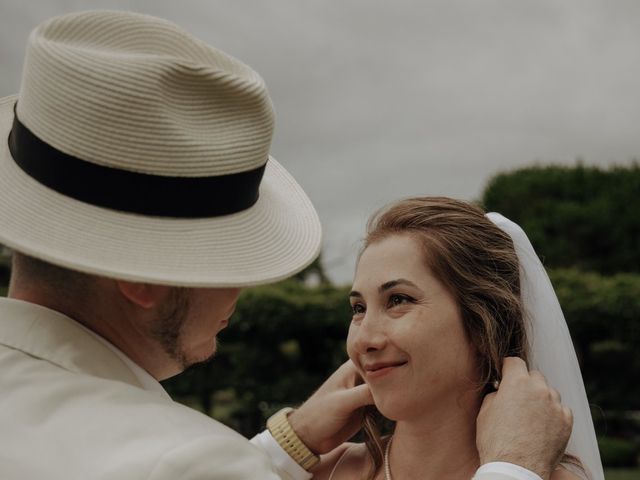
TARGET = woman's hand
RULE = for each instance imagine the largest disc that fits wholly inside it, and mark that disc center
(332, 415)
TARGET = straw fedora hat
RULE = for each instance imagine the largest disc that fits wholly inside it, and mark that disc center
(136, 151)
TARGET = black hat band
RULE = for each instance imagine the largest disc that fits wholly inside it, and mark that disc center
(133, 192)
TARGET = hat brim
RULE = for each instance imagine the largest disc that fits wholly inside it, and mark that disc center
(274, 239)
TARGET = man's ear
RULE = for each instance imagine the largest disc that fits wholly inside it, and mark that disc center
(143, 295)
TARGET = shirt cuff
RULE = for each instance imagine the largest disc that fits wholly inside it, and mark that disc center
(280, 459)
(504, 471)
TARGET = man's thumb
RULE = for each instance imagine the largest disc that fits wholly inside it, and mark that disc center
(356, 397)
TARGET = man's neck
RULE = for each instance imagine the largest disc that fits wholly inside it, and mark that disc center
(106, 320)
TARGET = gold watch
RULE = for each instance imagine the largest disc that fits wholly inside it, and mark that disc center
(279, 426)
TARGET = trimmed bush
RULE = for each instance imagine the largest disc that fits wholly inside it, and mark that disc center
(603, 314)
(584, 217)
(617, 452)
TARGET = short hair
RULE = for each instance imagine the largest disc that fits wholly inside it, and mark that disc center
(64, 281)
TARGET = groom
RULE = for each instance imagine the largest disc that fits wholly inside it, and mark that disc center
(139, 196)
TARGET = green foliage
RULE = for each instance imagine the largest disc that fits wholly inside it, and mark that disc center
(315, 271)
(621, 474)
(603, 313)
(617, 452)
(583, 217)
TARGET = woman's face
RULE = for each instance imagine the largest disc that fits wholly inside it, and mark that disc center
(406, 336)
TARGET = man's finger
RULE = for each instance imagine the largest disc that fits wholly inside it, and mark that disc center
(555, 395)
(568, 414)
(538, 377)
(347, 374)
(356, 397)
(486, 402)
(513, 367)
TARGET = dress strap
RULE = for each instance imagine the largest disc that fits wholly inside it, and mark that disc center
(342, 457)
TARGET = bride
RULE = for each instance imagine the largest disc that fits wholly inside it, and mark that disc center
(442, 293)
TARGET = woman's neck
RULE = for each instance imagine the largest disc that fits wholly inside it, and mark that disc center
(440, 443)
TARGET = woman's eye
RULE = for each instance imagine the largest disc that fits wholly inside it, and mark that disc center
(357, 309)
(395, 300)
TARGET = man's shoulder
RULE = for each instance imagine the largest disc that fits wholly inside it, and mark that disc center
(56, 420)
(36, 384)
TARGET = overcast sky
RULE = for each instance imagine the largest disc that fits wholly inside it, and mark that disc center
(378, 100)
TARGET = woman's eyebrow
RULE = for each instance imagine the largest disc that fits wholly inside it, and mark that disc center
(400, 281)
(386, 286)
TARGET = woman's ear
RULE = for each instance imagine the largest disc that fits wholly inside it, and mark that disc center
(143, 295)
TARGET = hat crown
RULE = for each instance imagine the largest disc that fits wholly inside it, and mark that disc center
(138, 93)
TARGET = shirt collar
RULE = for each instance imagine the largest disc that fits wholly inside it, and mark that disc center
(52, 336)
(147, 381)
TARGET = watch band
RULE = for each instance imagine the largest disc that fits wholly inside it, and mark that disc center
(279, 426)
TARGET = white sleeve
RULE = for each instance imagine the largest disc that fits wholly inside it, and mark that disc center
(504, 471)
(286, 466)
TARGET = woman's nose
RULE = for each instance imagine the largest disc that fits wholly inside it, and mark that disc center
(370, 335)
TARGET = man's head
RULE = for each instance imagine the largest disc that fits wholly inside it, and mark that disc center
(139, 156)
(177, 326)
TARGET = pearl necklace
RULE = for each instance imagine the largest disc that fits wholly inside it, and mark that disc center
(387, 469)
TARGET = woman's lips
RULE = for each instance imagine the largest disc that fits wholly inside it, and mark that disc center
(375, 371)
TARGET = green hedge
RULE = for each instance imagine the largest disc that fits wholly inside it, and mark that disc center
(603, 314)
(578, 216)
(285, 339)
(622, 474)
(617, 452)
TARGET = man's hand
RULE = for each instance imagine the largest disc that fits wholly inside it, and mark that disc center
(332, 415)
(523, 422)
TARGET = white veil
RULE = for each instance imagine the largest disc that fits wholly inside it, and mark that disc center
(550, 348)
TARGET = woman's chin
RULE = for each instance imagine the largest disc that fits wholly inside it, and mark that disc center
(392, 409)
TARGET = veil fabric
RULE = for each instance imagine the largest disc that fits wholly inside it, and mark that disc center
(550, 348)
